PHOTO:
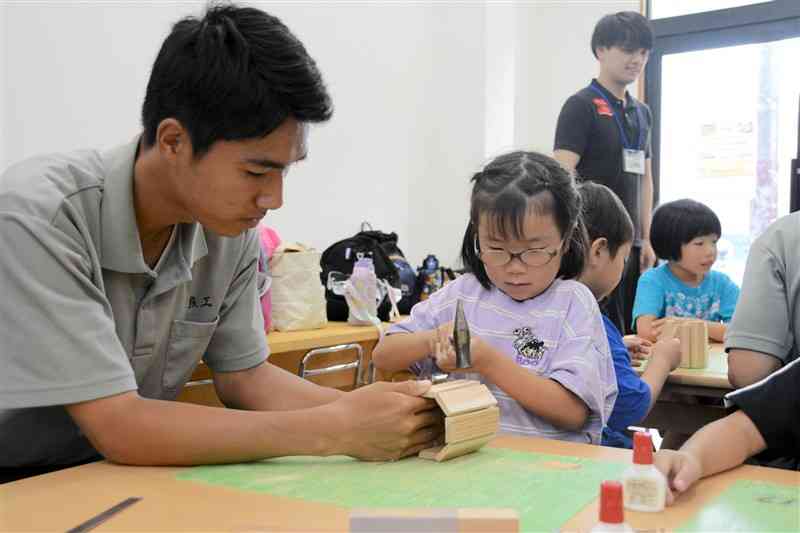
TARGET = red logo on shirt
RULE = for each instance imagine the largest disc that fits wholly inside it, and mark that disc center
(602, 107)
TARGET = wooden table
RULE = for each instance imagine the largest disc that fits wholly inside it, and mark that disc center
(64, 499)
(287, 349)
(692, 397)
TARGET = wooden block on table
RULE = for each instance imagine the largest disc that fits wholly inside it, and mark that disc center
(455, 449)
(434, 520)
(403, 520)
(669, 329)
(700, 345)
(694, 343)
(471, 425)
(488, 521)
(693, 334)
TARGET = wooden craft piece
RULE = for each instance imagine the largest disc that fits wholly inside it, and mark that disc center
(434, 520)
(471, 418)
(693, 334)
(455, 449)
(461, 396)
(470, 425)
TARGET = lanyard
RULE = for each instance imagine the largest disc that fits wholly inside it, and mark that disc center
(639, 121)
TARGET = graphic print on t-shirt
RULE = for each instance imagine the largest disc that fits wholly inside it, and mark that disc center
(529, 347)
(705, 307)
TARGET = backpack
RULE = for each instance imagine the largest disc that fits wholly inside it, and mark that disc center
(340, 258)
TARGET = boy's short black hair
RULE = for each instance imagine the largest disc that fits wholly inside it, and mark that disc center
(677, 223)
(237, 73)
(507, 189)
(605, 216)
(628, 30)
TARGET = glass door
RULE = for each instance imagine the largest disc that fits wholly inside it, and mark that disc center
(727, 124)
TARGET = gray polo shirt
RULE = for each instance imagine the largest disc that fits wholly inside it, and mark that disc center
(82, 316)
(767, 316)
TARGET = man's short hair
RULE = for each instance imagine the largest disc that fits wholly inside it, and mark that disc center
(237, 73)
(677, 223)
(628, 30)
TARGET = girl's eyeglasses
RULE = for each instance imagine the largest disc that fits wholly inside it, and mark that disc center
(532, 257)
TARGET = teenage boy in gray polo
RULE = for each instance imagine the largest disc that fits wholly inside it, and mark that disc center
(121, 269)
(763, 334)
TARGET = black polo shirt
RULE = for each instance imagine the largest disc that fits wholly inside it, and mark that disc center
(587, 128)
(773, 404)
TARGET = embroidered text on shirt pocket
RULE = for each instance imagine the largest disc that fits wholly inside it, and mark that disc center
(187, 344)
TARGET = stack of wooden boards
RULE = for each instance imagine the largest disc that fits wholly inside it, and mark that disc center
(693, 334)
(471, 418)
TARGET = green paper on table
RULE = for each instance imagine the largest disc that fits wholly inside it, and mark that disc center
(750, 506)
(546, 490)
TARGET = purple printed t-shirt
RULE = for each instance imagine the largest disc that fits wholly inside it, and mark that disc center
(558, 335)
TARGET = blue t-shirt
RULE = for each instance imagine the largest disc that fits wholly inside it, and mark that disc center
(661, 294)
(633, 396)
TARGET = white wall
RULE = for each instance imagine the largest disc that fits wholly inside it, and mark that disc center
(554, 61)
(423, 92)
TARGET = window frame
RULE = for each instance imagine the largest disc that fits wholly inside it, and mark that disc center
(757, 23)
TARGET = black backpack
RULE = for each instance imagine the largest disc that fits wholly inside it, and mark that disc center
(341, 256)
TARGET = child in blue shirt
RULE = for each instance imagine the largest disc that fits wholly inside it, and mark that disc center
(684, 233)
(610, 233)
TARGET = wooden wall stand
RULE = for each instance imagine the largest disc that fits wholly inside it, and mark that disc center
(693, 334)
(471, 418)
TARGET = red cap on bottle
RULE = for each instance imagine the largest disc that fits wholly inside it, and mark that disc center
(642, 448)
(611, 511)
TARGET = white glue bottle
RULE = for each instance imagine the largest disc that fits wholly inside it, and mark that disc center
(612, 515)
(645, 487)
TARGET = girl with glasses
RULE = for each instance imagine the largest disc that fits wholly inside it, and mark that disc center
(537, 337)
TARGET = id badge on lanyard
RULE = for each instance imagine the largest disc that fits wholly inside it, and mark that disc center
(633, 160)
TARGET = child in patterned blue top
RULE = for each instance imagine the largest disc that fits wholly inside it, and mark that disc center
(685, 234)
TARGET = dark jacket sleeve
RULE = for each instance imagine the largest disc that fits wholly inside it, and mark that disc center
(773, 404)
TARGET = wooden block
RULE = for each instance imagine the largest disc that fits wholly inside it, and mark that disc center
(465, 399)
(684, 334)
(487, 520)
(669, 329)
(403, 520)
(698, 357)
(456, 449)
(471, 425)
(693, 334)
(434, 391)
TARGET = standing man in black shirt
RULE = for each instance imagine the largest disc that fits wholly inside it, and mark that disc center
(603, 135)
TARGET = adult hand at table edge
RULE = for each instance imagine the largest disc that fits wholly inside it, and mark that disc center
(387, 421)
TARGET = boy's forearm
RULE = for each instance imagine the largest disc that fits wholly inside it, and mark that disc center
(725, 443)
(646, 202)
(400, 350)
(655, 375)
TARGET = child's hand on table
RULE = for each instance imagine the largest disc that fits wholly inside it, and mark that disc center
(638, 348)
